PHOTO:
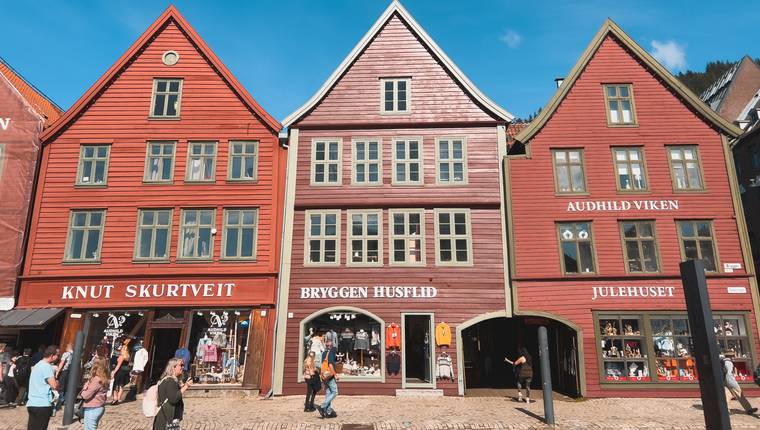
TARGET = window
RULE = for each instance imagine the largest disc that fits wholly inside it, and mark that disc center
(639, 246)
(93, 164)
(453, 237)
(619, 99)
(733, 341)
(243, 164)
(201, 161)
(451, 161)
(407, 162)
(153, 234)
(697, 243)
(577, 248)
(568, 171)
(159, 164)
(684, 168)
(326, 162)
(220, 326)
(673, 348)
(629, 168)
(407, 237)
(85, 235)
(395, 95)
(167, 95)
(240, 229)
(623, 348)
(365, 238)
(323, 237)
(196, 239)
(367, 164)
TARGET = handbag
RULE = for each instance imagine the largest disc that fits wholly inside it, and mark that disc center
(79, 409)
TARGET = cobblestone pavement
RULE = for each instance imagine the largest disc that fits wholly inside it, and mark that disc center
(391, 413)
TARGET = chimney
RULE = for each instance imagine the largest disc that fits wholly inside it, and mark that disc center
(559, 81)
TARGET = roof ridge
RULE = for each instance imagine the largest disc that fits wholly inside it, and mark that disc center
(31, 85)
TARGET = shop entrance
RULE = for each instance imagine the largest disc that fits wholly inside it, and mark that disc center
(164, 343)
(418, 358)
(486, 343)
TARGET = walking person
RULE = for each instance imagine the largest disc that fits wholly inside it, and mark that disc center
(5, 365)
(330, 379)
(120, 373)
(11, 385)
(23, 371)
(41, 385)
(313, 383)
(94, 394)
(523, 368)
(729, 380)
(170, 389)
(62, 375)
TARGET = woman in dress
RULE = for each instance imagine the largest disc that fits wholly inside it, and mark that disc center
(170, 389)
(120, 373)
(94, 394)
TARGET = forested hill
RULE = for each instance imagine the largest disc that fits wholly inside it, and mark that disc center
(698, 82)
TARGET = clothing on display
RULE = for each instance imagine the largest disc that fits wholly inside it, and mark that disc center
(184, 354)
(141, 359)
(442, 334)
(220, 338)
(332, 335)
(393, 362)
(393, 336)
(361, 340)
(355, 355)
(445, 367)
(375, 340)
(202, 342)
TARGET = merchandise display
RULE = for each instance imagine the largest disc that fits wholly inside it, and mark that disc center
(442, 334)
(218, 341)
(109, 330)
(356, 337)
(673, 348)
(622, 347)
(733, 341)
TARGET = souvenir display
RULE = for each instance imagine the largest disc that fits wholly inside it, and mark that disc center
(622, 349)
(218, 342)
(356, 338)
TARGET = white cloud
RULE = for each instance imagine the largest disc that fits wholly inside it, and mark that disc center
(670, 54)
(511, 38)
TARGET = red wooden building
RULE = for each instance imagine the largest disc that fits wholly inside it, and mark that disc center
(393, 223)
(157, 213)
(621, 177)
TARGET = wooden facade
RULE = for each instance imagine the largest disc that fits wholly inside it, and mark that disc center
(117, 112)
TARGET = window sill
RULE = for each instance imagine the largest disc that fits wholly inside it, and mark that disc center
(138, 261)
(164, 118)
(584, 194)
(634, 192)
(367, 184)
(238, 260)
(170, 182)
(191, 261)
(407, 112)
(104, 185)
(330, 184)
(468, 264)
(407, 184)
(242, 181)
(199, 182)
(615, 125)
(77, 263)
(699, 191)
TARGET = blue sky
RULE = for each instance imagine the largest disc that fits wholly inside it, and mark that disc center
(283, 51)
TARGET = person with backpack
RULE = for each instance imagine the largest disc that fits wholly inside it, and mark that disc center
(169, 396)
(22, 373)
(94, 394)
(330, 379)
(523, 370)
(42, 383)
(729, 380)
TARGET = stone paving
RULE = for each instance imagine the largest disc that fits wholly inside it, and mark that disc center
(392, 413)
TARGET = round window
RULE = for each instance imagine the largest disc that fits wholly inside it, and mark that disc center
(170, 58)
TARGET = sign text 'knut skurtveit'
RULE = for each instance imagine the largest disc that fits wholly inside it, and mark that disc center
(149, 291)
(377, 292)
(622, 205)
(632, 292)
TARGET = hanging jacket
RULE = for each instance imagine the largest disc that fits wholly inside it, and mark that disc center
(442, 334)
(393, 336)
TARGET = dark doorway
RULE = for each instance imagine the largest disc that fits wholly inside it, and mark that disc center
(164, 343)
(417, 344)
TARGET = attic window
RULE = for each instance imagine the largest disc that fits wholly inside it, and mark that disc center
(394, 95)
(619, 100)
(170, 58)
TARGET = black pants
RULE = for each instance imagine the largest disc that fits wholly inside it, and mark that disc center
(313, 385)
(22, 390)
(11, 389)
(39, 417)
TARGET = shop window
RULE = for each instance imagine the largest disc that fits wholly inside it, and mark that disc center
(243, 163)
(85, 235)
(685, 169)
(639, 246)
(395, 93)
(201, 162)
(106, 336)
(153, 234)
(673, 348)
(453, 244)
(356, 337)
(93, 164)
(577, 246)
(623, 348)
(326, 168)
(366, 162)
(733, 341)
(569, 174)
(697, 243)
(619, 100)
(218, 345)
(407, 162)
(451, 161)
(629, 168)
(167, 96)
(365, 238)
(407, 237)
(322, 237)
(196, 239)
(159, 162)
(240, 228)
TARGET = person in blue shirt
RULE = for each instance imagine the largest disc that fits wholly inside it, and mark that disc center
(41, 385)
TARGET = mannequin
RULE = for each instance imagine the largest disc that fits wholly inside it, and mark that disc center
(318, 347)
(205, 340)
(346, 341)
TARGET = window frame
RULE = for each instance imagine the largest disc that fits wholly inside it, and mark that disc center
(153, 99)
(638, 240)
(674, 182)
(204, 158)
(321, 238)
(453, 237)
(367, 161)
(67, 251)
(451, 161)
(148, 155)
(395, 81)
(395, 161)
(364, 237)
(557, 191)
(95, 159)
(713, 239)
(3, 156)
(644, 338)
(326, 162)
(181, 235)
(393, 236)
(255, 156)
(594, 258)
(642, 158)
(634, 118)
(136, 255)
(225, 214)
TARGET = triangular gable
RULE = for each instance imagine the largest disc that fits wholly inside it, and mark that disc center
(396, 8)
(610, 28)
(169, 15)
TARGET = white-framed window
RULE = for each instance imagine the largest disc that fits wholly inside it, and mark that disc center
(619, 100)
(365, 238)
(367, 162)
(407, 161)
(322, 238)
(685, 168)
(154, 230)
(85, 236)
(93, 164)
(240, 231)
(453, 237)
(451, 160)
(201, 162)
(196, 237)
(326, 162)
(407, 237)
(395, 95)
(167, 96)
(243, 162)
(159, 162)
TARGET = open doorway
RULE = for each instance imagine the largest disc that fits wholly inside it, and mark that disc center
(164, 343)
(418, 358)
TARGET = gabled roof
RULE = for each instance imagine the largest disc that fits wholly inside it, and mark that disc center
(610, 28)
(733, 90)
(171, 14)
(45, 107)
(396, 8)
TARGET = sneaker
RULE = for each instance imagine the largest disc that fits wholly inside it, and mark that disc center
(752, 411)
(321, 411)
(527, 400)
(332, 415)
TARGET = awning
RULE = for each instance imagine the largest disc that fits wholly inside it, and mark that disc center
(28, 318)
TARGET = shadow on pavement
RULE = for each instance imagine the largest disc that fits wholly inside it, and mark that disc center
(530, 414)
